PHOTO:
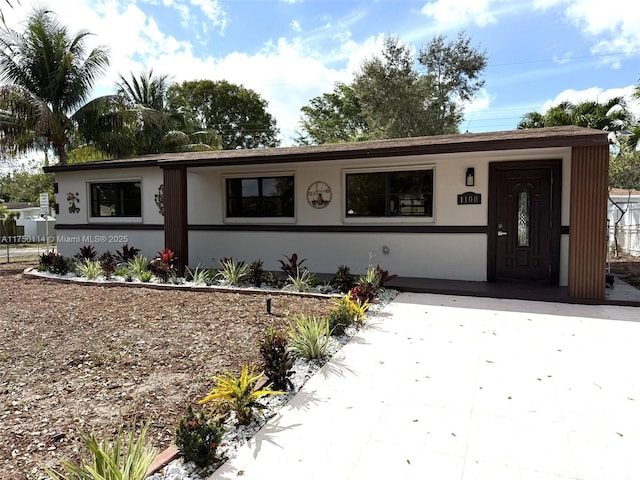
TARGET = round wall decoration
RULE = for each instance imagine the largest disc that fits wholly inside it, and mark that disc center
(319, 194)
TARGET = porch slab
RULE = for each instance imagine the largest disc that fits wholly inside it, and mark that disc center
(450, 387)
(620, 294)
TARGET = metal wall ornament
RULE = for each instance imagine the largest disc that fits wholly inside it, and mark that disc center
(72, 198)
(159, 198)
(319, 194)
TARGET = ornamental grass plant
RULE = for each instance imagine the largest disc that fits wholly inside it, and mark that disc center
(309, 337)
(118, 460)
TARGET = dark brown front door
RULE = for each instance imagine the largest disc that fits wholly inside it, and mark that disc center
(524, 223)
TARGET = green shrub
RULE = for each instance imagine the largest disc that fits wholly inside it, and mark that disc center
(238, 393)
(345, 312)
(145, 276)
(109, 460)
(232, 272)
(278, 362)
(198, 437)
(274, 280)
(89, 269)
(309, 337)
(121, 271)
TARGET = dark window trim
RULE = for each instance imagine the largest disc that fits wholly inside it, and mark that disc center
(261, 197)
(94, 203)
(388, 194)
(399, 228)
(436, 229)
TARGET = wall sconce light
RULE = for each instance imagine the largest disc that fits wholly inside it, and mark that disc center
(470, 177)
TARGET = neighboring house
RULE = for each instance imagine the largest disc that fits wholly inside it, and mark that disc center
(624, 208)
(31, 225)
(525, 205)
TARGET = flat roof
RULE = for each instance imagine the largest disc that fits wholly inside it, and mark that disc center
(566, 136)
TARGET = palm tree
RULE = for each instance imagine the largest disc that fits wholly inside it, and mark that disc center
(146, 90)
(135, 121)
(612, 115)
(47, 73)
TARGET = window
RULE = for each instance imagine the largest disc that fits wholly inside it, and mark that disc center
(260, 197)
(386, 194)
(116, 199)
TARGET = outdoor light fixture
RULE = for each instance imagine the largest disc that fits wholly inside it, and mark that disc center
(470, 177)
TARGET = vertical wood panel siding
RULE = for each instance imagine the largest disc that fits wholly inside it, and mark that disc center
(175, 215)
(588, 221)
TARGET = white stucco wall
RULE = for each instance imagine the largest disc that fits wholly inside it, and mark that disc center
(409, 255)
(104, 238)
(461, 256)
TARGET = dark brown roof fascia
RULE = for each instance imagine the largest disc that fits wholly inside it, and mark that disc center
(462, 143)
(103, 165)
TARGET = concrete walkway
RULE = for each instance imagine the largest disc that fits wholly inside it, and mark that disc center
(441, 387)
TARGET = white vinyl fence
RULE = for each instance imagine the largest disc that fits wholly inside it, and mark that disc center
(628, 228)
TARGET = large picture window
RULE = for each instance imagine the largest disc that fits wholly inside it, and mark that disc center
(116, 199)
(388, 194)
(260, 197)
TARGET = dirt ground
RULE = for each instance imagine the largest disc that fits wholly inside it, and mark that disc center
(627, 268)
(95, 358)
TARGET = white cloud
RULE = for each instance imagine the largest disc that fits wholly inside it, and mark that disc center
(213, 11)
(596, 94)
(450, 14)
(613, 26)
(479, 103)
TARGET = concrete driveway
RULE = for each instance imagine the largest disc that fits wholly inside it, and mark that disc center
(441, 387)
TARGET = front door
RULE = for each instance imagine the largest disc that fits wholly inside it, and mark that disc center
(524, 223)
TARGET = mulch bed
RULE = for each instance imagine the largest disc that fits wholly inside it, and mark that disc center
(90, 357)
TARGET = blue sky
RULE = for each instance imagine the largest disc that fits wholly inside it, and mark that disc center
(540, 52)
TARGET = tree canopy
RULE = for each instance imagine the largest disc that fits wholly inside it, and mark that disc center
(333, 117)
(26, 184)
(48, 73)
(238, 115)
(399, 94)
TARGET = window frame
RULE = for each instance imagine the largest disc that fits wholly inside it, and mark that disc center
(392, 219)
(258, 219)
(112, 218)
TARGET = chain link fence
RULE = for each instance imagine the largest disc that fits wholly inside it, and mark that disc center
(20, 248)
